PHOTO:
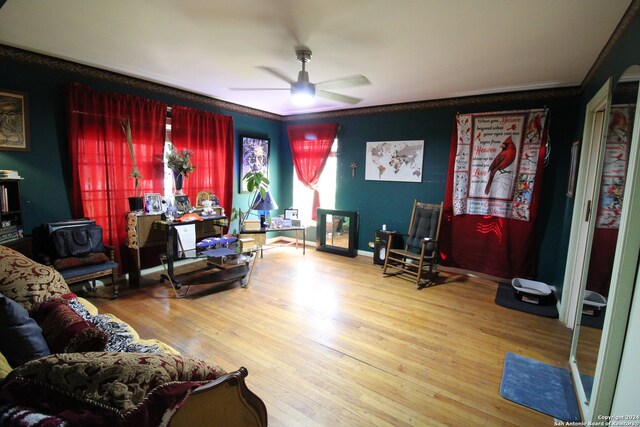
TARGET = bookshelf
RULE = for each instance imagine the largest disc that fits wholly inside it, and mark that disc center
(11, 225)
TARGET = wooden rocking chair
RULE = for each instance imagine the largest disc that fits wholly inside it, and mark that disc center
(420, 254)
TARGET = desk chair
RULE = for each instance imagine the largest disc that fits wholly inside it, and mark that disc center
(420, 254)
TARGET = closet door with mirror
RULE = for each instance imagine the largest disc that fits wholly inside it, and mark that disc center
(607, 248)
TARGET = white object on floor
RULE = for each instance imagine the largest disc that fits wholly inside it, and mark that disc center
(594, 299)
(531, 287)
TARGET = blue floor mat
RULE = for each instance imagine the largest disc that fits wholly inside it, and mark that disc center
(539, 386)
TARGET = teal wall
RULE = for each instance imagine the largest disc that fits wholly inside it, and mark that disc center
(45, 189)
(45, 168)
(390, 202)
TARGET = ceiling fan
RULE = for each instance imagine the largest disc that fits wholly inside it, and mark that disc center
(303, 91)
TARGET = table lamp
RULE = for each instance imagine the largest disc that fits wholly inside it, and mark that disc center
(266, 204)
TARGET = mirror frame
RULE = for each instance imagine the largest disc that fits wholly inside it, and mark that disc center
(321, 235)
(620, 293)
(572, 295)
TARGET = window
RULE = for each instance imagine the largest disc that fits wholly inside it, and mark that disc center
(303, 196)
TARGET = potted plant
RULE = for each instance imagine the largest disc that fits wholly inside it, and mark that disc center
(180, 164)
(136, 202)
(256, 183)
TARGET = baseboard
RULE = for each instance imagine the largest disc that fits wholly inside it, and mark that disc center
(288, 239)
(473, 274)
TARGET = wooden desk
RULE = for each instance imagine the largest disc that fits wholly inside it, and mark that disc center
(142, 232)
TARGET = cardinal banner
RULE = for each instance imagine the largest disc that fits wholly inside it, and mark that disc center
(614, 170)
(496, 161)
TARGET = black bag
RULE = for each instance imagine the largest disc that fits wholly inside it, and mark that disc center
(77, 241)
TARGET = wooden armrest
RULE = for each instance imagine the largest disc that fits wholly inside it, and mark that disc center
(226, 401)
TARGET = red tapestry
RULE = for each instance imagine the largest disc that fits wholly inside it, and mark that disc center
(491, 198)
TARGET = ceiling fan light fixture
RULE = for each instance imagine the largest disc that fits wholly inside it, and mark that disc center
(303, 95)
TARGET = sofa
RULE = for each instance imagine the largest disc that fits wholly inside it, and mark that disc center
(64, 363)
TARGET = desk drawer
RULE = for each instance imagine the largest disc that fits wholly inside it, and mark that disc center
(207, 229)
(148, 235)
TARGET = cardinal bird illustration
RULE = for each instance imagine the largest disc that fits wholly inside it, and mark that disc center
(618, 124)
(534, 128)
(502, 161)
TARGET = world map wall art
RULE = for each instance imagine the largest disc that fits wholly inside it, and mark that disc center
(394, 161)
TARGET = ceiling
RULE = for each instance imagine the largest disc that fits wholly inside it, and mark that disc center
(410, 50)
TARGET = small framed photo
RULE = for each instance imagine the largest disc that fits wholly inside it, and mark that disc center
(153, 203)
(291, 213)
(14, 116)
(573, 169)
(296, 223)
(183, 205)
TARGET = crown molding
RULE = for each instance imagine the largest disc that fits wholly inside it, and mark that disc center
(540, 95)
(629, 16)
(57, 64)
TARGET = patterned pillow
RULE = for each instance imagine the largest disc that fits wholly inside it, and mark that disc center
(27, 282)
(67, 332)
(107, 388)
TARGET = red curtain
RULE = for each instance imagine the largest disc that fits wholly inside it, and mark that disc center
(210, 137)
(310, 148)
(100, 158)
(500, 247)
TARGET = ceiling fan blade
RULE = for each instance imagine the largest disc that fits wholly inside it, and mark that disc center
(337, 97)
(344, 82)
(260, 88)
(279, 74)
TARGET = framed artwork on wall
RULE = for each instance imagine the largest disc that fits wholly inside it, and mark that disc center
(573, 170)
(394, 161)
(254, 152)
(14, 116)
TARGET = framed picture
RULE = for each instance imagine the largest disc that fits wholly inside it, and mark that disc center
(183, 205)
(573, 170)
(291, 213)
(296, 223)
(394, 161)
(153, 203)
(254, 153)
(14, 116)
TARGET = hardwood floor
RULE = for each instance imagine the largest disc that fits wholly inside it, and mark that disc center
(328, 341)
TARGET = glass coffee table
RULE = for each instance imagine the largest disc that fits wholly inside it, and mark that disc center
(221, 265)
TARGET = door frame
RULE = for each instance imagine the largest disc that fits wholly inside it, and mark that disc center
(589, 171)
(623, 276)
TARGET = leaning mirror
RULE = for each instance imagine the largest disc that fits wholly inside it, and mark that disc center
(614, 164)
(337, 232)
